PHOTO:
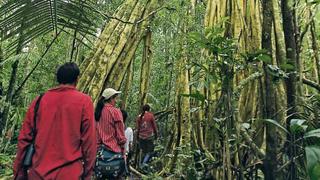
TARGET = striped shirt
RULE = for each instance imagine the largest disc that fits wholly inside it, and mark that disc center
(110, 129)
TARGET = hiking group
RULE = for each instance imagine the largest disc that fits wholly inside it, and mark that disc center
(64, 137)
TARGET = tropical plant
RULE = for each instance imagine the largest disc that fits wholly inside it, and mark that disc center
(28, 19)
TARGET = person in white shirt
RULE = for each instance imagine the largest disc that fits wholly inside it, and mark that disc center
(128, 133)
(129, 136)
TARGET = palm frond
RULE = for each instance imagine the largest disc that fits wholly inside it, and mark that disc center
(25, 20)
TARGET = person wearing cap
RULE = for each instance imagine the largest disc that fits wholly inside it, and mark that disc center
(65, 139)
(110, 126)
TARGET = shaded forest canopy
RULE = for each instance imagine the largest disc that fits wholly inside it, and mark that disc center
(234, 84)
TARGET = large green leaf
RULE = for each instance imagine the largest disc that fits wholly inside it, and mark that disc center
(313, 161)
(271, 121)
(312, 133)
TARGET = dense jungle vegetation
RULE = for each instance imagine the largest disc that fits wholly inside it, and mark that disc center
(234, 84)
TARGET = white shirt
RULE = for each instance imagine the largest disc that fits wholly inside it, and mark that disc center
(129, 135)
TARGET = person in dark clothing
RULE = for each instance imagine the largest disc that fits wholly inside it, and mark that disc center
(65, 143)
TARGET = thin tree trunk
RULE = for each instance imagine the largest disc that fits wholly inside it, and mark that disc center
(1, 86)
(73, 45)
(12, 82)
(145, 69)
(127, 86)
(270, 162)
(1, 74)
(315, 47)
(182, 104)
(291, 82)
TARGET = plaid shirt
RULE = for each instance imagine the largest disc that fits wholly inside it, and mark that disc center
(110, 129)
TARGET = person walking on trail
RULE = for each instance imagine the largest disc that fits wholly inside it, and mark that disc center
(110, 126)
(65, 139)
(146, 132)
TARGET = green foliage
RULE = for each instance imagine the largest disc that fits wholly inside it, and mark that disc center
(6, 165)
(296, 126)
(312, 2)
(271, 121)
(313, 161)
(276, 72)
(312, 133)
(312, 150)
(31, 19)
(197, 96)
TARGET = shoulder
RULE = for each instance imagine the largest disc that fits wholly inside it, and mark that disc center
(129, 131)
(86, 99)
(150, 114)
(82, 95)
(114, 111)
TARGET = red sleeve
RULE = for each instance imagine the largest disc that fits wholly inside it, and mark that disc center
(24, 139)
(154, 125)
(119, 126)
(88, 139)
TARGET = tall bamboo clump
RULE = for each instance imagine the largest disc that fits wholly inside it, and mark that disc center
(112, 55)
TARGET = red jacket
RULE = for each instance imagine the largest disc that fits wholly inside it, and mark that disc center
(110, 129)
(65, 134)
(146, 126)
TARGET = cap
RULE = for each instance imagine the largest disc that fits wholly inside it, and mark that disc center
(109, 92)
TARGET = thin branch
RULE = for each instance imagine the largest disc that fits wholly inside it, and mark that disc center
(39, 61)
(107, 16)
(151, 14)
(248, 139)
(136, 172)
(289, 162)
(311, 83)
(306, 27)
(79, 39)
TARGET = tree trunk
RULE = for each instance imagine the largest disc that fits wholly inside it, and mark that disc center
(291, 56)
(12, 82)
(115, 47)
(145, 69)
(127, 86)
(1, 74)
(291, 82)
(281, 100)
(315, 50)
(270, 162)
(1, 88)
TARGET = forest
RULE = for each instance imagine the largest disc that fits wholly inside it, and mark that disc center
(234, 84)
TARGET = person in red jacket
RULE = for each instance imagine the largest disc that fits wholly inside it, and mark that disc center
(65, 143)
(146, 132)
